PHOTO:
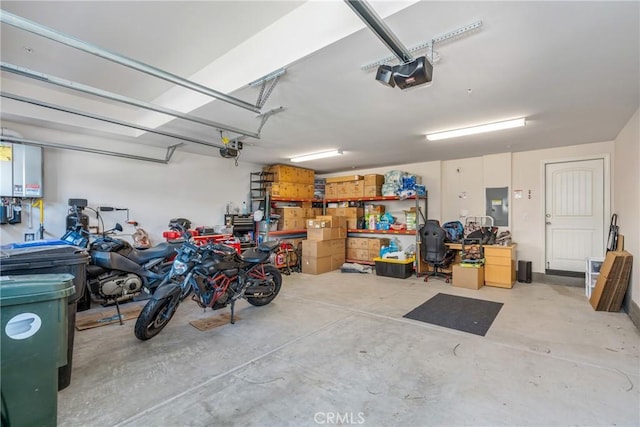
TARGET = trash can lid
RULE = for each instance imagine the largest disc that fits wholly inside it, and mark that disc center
(40, 256)
(31, 288)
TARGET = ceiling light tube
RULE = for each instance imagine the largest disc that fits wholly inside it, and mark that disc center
(490, 127)
(316, 156)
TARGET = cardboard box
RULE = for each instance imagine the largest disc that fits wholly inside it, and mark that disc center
(319, 265)
(374, 244)
(374, 180)
(312, 265)
(348, 212)
(468, 277)
(322, 248)
(352, 223)
(334, 220)
(358, 254)
(372, 191)
(358, 243)
(283, 189)
(331, 190)
(318, 223)
(289, 213)
(291, 224)
(344, 178)
(286, 173)
(326, 233)
(357, 189)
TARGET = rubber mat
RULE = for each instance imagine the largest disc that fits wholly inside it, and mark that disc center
(101, 316)
(471, 315)
(209, 323)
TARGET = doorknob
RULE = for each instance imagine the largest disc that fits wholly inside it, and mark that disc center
(548, 223)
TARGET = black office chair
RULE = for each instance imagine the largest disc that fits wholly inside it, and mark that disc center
(433, 250)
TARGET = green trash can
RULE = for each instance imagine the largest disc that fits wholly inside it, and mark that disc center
(34, 312)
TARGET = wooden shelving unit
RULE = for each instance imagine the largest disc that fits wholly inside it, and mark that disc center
(400, 232)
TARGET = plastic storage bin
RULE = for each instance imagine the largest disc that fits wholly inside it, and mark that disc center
(48, 257)
(389, 267)
(34, 345)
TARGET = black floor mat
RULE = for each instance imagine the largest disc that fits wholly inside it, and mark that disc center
(464, 314)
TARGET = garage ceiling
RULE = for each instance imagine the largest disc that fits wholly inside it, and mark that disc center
(571, 68)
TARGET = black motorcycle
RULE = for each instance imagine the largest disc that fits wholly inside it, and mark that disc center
(118, 272)
(217, 276)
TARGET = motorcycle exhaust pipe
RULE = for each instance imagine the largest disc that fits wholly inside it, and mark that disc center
(260, 289)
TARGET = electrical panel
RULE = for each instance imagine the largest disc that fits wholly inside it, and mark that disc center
(20, 170)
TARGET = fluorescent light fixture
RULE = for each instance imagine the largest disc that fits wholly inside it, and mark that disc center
(490, 127)
(315, 156)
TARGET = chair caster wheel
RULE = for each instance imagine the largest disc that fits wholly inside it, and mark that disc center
(446, 280)
(426, 279)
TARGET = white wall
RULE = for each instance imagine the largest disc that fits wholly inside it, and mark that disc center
(626, 196)
(196, 187)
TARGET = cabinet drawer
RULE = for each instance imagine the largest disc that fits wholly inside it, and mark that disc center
(501, 276)
(499, 252)
(492, 260)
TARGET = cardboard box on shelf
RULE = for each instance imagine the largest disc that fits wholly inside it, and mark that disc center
(352, 223)
(372, 191)
(358, 243)
(468, 277)
(358, 254)
(289, 212)
(344, 178)
(286, 173)
(375, 243)
(331, 190)
(291, 224)
(318, 223)
(373, 180)
(356, 189)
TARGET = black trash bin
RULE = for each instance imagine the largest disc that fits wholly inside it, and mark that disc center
(51, 257)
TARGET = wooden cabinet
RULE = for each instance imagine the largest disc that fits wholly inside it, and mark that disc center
(500, 266)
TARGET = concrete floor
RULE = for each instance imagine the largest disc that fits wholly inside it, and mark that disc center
(334, 349)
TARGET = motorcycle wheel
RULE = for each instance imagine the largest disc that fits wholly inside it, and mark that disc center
(272, 274)
(152, 320)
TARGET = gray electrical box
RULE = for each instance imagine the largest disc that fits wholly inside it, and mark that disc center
(20, 170)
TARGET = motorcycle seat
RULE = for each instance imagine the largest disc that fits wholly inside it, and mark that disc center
(254, 256)
(162, 250)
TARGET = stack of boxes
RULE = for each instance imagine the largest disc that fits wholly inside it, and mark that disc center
(325, 247)
(295, 217)
(291, 182)
(373, 185)
(344, 187)
(365, 248)
(351, 215)
(354, 186)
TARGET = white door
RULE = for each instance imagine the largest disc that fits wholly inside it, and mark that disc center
(574, 209)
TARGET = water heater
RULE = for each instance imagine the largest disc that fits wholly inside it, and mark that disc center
(20, 170)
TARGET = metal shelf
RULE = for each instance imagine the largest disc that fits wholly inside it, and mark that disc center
(364, 231)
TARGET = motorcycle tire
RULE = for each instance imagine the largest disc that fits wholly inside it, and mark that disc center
(273, 274)
(150, 322)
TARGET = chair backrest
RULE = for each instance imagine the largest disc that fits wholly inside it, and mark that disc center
(432, 237)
